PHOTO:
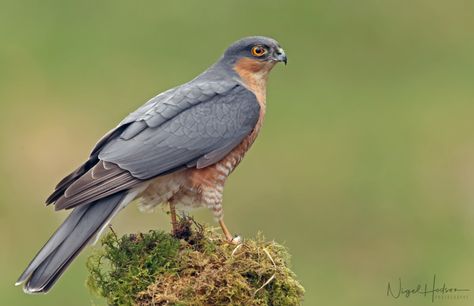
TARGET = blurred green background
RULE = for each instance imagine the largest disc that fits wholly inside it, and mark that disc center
(364, 168)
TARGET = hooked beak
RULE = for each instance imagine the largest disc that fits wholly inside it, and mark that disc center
(280, 56)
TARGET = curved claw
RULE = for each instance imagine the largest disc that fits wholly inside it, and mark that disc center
(236, 240)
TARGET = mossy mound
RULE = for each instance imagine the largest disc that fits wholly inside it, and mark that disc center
(196, 268)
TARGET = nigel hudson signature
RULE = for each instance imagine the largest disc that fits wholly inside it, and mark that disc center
(432, 290)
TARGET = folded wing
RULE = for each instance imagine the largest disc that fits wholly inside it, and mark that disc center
(195, 125)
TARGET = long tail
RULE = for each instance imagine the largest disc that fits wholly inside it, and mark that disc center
(77, 230)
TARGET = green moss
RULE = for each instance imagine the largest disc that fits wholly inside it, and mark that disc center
(129, 265)
(198, 268)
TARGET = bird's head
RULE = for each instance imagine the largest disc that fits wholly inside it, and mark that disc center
(257, 49)
(253, 57)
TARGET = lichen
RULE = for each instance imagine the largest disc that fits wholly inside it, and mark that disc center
(198, 267)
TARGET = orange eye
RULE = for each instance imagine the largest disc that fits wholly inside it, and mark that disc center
(258, 51)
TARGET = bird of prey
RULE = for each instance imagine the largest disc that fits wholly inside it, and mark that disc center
(177, 149)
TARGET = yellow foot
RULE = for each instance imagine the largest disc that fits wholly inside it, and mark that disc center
(228, 235)
(236, 240)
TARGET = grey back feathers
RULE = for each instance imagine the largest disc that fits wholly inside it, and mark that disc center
(180, 128)
(167, 144)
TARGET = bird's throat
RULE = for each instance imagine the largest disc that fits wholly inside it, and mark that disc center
(254, 76)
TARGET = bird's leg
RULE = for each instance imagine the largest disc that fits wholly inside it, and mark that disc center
(225, 230)
(213, 199)
(227, 234)
(174, 221)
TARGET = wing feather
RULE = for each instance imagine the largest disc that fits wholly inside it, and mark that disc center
(184, 127)
(215, 125)
(96, 183)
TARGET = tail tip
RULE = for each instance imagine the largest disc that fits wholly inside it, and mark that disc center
(23, 278)
(27, 288)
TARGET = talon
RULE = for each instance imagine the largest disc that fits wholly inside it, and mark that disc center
(236, 240)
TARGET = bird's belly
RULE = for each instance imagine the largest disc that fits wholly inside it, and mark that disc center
(188, 189)
(182, 189)
(159, 191)
(193, 188)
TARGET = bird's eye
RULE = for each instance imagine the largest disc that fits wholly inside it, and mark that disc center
(259, 51)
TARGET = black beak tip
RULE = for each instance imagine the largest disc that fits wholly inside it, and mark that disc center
(281, 56)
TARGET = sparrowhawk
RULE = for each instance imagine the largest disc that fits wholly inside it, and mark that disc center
(178, 148)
